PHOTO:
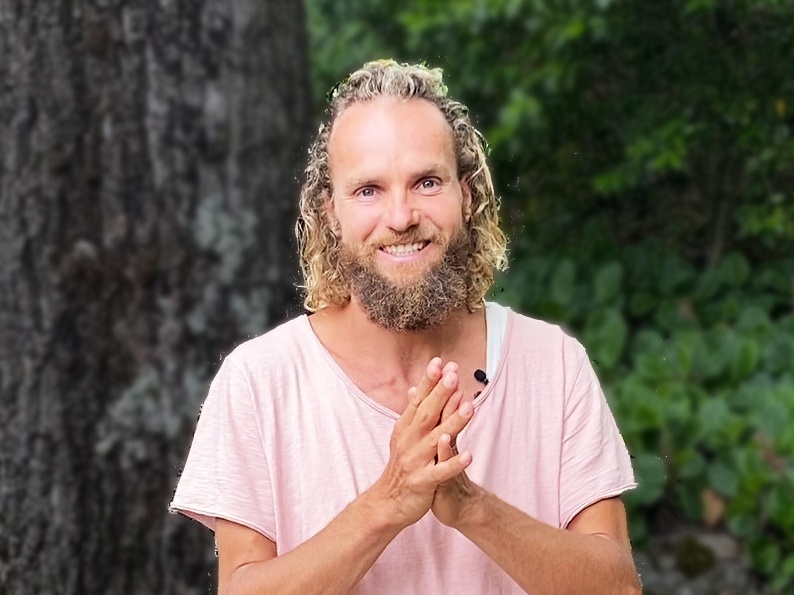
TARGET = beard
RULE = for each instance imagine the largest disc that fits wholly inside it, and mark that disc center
(415, 301)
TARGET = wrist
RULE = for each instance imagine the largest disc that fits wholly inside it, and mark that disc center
(475, 510)
(382, 511)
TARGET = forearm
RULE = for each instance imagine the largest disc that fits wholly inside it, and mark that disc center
(545, 560)
(333, 561)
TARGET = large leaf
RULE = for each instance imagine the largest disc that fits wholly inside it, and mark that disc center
(605, 336)
(607, 282)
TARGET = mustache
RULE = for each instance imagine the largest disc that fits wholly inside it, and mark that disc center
(410, 236)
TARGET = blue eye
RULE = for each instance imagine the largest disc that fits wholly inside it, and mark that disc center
(429, 184)
(367, 192)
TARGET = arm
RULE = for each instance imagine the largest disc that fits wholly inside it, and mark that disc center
(336, 558)
(333, 561)
(592, 556)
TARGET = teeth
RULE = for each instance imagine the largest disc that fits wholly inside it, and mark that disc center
(403, 249)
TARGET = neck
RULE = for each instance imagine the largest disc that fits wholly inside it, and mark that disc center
(348, 332)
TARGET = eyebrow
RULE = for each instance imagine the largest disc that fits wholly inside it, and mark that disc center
(434, 170)
(355, 183)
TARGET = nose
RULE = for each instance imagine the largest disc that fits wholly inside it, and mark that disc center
(401, 213)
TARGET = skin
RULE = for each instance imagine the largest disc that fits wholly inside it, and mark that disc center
(393, 171)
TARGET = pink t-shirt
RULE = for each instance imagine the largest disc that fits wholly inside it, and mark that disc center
(285, 441)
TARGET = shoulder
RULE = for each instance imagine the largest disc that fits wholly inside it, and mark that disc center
(274, 368)
(544, 351)
(280, 344)
(535, 335)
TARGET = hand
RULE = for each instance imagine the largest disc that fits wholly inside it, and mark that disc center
(409, 481)
(456, 494)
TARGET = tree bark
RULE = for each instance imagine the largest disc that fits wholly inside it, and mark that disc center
(148, 162)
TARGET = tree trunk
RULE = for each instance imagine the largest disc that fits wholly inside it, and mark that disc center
(148, 162)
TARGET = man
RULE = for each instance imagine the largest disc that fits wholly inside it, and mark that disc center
(407, 437)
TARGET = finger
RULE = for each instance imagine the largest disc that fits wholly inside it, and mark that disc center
(457, 421)
(451, 367)
(429, 410)
(444, 448)
(446, 470)
(416, 394)
(410, 409)
(452, 405)
(430, 378)
(434, 374)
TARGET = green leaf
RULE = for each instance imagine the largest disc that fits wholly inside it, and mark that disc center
(690, 501)
(723, 479)
(713, 356)
(605, 336)
(708, 284)
(787, 567)
(734, 269)
(773, 419)
(743, 525)
(685, 346)
(766, 555)
(746, 358)
(607, 282)
(651, 476)
(781, 507)
(674, 274)
(648, 341)
(692, 466)
(642, 302)
(653, 368)
(562, 282)
(755, 473)
(779, 352)
(753, 319)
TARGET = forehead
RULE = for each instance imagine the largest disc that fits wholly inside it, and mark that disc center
(389, 132)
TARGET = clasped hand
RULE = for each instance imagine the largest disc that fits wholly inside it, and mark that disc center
(425, 471)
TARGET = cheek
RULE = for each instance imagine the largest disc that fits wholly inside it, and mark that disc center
(356, 225)
(448, 216)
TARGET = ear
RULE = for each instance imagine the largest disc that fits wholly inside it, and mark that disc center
(466, 205)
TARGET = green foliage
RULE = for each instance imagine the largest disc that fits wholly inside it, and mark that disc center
(700, 379)
(644, 155)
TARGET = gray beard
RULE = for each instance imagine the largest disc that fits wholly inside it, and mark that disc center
(413, 305)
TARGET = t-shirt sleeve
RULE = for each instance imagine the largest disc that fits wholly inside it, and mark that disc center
(226, 474)
(595, 463)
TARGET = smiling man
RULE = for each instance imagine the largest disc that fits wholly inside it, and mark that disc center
(407, 436)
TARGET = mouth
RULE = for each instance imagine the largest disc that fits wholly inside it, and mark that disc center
(405, 249)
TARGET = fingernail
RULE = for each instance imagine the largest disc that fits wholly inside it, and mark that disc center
(449, 380)
(466, 409)
(434, 367)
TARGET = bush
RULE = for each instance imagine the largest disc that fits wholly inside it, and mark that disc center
(697, 366)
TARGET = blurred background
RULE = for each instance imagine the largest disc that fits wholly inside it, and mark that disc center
(150, 161)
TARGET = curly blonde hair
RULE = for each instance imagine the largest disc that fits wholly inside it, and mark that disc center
(319, 246)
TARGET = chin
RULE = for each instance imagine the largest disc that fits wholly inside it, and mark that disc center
(405, 273)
